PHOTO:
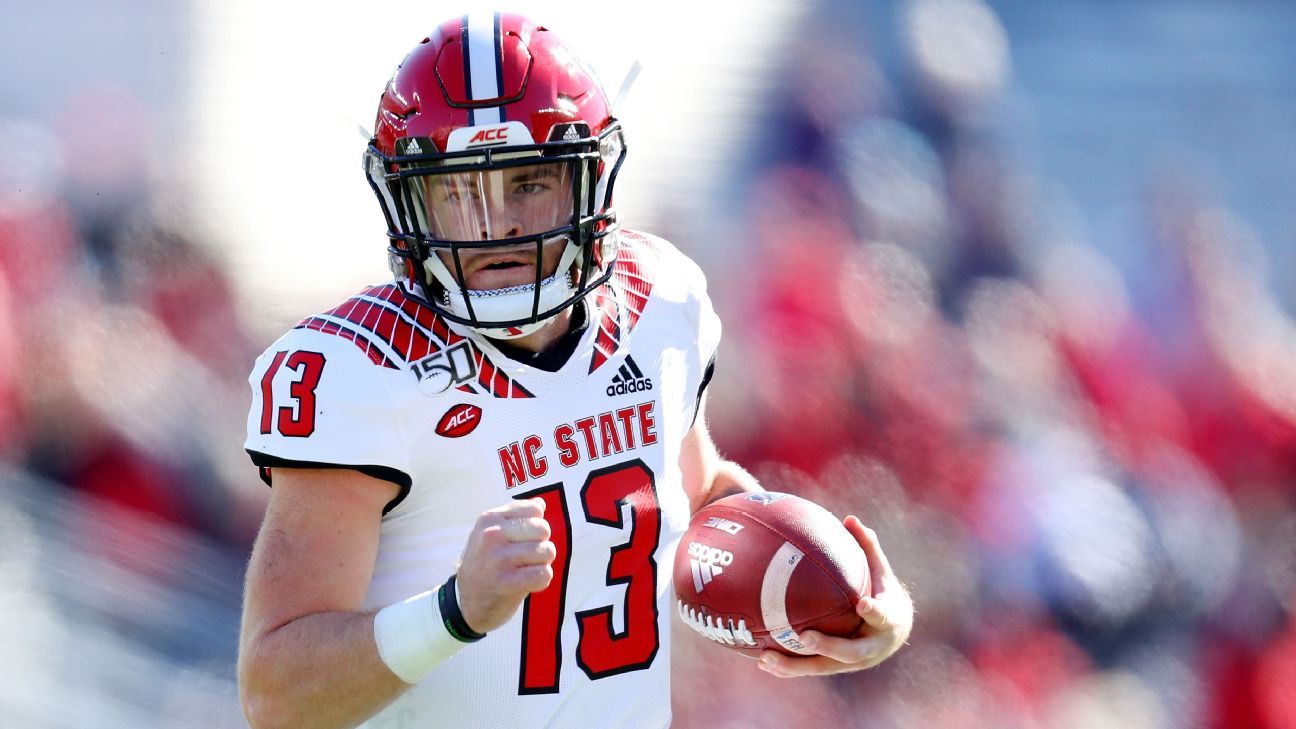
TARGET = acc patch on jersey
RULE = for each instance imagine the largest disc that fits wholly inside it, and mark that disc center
(459, 421)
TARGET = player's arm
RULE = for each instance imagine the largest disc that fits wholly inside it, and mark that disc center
(308, 655)
(708, 475)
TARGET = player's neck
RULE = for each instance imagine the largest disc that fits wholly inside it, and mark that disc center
(544, 337)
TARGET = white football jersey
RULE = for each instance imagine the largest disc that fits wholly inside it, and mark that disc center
(383, 385)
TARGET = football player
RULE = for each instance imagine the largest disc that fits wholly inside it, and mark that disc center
(481, 468)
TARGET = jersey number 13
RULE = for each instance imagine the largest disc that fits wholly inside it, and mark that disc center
(601, 651)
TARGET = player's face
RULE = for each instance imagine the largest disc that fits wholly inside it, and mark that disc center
(496, 204)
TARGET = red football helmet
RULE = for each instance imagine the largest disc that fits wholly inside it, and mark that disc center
(494, 156)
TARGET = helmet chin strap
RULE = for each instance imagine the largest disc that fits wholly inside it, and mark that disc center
(510, 303)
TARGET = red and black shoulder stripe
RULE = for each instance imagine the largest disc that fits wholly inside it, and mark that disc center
(620, 302)
(394, 331)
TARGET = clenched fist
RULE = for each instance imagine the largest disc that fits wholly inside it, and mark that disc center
(508, 556)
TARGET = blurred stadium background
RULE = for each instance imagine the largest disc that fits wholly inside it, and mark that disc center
(1012, 280)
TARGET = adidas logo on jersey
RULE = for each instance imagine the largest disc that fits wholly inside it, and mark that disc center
(629, 379)
(707, 562)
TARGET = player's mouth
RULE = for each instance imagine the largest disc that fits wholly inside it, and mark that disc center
(500, 271)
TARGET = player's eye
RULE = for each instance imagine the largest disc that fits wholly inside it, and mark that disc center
(455, 193)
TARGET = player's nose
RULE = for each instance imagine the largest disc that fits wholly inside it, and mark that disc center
(500, 224)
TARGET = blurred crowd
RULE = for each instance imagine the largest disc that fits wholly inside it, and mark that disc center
(1086, 473)
(127, 503)
(1083, 470)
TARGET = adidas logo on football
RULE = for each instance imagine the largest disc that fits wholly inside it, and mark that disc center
(629, 379)
(707, 562)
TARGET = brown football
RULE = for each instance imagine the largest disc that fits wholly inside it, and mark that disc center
(754, 570)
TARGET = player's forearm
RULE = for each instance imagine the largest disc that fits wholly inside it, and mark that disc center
(318, 671)
(730, 478)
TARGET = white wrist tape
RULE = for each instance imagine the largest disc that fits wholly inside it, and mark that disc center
(412, 637)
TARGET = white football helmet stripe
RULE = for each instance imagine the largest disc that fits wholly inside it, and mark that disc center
(483, 66)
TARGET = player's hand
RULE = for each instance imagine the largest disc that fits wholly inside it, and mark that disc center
(888, 618)
(508, 556)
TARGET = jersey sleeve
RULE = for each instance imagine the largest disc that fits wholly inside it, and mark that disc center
(319, 402)
(708, 322)
(705, 321)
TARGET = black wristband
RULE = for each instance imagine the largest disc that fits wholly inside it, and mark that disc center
(454, 621)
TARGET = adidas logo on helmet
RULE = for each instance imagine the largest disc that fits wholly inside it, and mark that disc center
(629, 378)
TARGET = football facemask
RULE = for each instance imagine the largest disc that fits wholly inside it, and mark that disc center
(506, 237)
